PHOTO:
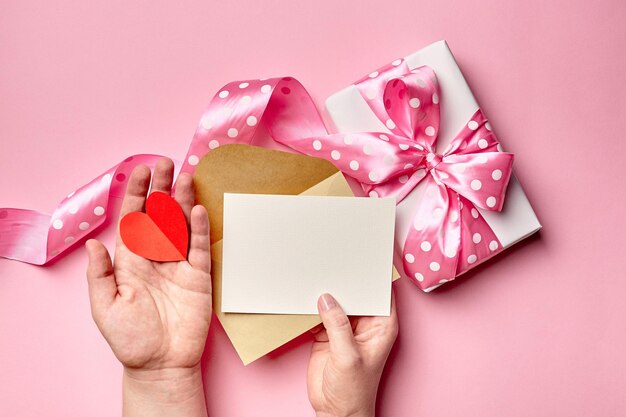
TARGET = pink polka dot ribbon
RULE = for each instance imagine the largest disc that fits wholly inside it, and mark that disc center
(448, 234)
(233, 116)
(36, 238)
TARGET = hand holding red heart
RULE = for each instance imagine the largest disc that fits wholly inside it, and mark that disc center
(156, 315)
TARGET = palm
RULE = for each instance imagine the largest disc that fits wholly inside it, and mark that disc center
(165, 320)
(368, 334)
(160, 314)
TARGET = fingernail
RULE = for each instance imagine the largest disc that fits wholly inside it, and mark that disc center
(327, 302)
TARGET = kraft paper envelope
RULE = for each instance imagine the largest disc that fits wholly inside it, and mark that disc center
(253, 170)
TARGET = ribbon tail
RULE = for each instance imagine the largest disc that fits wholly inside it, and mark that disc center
(478, 240)
(23, 235)
(37, 238)
(431, 248)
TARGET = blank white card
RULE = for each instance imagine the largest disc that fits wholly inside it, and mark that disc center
(281, 252)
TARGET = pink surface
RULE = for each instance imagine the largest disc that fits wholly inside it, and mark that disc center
(538, 331)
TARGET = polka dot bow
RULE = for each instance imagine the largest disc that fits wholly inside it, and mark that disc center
(448, 234)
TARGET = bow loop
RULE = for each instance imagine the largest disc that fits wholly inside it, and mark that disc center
(412, 103)
(476, 136)
(482, 178)
(473, 166)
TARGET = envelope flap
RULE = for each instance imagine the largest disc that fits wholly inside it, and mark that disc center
(248, 169)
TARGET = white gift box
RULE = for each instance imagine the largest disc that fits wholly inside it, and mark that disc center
(350, 113)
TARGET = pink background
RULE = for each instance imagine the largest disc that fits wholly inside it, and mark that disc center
(539, 331)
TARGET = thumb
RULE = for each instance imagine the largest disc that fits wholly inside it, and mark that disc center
(100, 277)
(338, 328)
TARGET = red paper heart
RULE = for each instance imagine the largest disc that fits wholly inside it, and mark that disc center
(159, 234)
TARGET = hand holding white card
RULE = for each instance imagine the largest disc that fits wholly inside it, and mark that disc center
(281, 252)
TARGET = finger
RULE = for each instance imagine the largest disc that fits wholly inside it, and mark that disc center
(393, 302)
(184, 193)
(338, 328)
(135, 197)
(317, 329)
(393, 317)
(199, 245)
(320, 334)
(163, 174)
(100, 278)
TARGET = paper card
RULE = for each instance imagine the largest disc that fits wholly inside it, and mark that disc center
(280, 253)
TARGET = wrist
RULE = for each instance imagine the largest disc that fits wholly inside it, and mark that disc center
(165, 387)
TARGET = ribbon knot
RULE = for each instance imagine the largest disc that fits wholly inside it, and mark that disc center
(432, 160)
